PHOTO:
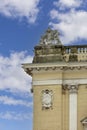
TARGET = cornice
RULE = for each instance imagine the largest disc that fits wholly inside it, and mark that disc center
(60, 66)
(66, 83)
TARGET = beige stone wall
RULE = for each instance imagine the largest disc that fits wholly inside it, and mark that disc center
(58, 117)
(63, 75)
(46, 76)
(82, 105)
(75, 74)
(48, 119)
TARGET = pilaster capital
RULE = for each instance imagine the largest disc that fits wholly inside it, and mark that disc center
(73, 88)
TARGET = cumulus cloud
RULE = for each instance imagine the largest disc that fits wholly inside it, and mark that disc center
(15, 116)
(12, 76)
(68, 3)
(71, 24)
(27, 9)
(11, 101)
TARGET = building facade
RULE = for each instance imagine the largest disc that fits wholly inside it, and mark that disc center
(59, 84)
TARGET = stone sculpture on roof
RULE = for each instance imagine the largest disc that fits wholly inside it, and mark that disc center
(50, 37)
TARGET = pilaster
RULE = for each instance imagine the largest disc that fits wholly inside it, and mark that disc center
(73, 90)
(73, 107)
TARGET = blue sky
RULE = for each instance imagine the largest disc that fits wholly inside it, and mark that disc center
(21, 25)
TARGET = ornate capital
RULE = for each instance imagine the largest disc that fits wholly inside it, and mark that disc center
(73, 88)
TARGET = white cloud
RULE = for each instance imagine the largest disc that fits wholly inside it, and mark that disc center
(68, 3)
(12, 76)
(20, 9)
(71, 24)
(15, 116)
(11, 101)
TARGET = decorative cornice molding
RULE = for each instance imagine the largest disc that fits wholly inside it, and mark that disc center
(35, 69)
(47, 82)
(59, 82)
